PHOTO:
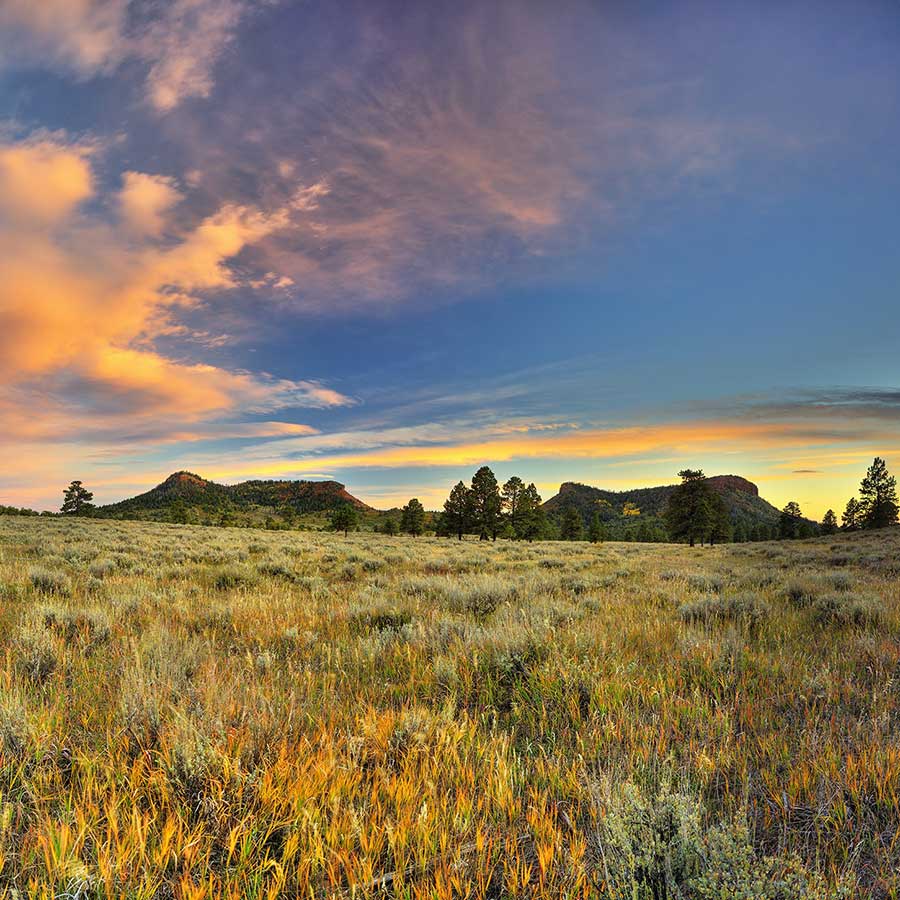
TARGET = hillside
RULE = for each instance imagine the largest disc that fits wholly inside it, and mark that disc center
(185, 493)
(741, 497)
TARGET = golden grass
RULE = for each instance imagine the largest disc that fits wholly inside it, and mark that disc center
(200, 713)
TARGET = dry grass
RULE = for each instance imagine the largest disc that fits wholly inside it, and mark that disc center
(199, 712)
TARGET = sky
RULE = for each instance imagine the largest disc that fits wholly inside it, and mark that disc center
(389, 242)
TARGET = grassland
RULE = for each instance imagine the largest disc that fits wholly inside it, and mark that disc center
(198, 712)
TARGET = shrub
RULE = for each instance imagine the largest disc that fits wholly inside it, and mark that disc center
(35, 649)
(746, 609)
(658, 846)
(102, 568)
(846, 609)
(49, 582)
(233, 577)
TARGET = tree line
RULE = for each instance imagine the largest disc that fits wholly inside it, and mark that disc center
(695, 513)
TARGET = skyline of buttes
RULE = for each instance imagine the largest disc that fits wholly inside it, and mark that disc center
(386, 244)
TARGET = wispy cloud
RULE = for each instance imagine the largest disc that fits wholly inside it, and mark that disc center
(179, 42)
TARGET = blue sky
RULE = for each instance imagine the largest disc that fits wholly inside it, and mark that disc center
(389, 242)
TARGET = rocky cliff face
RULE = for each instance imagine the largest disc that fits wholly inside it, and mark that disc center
(733, 483)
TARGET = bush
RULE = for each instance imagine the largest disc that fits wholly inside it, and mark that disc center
(36, 651)
(652, 847)
(746, 609)
(846, 609)
(233, 577)
(47, 582)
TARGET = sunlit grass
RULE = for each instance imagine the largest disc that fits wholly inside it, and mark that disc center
(199, 712)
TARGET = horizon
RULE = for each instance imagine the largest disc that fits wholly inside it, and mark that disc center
(385, 244)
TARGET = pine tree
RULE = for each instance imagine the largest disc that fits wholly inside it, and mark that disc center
(412, 520)
(789, 520)
(486, 505)
(458, 511)
(532, 517)
(596, 532)
(390, 525)
(829, 522)
(690, 512)
(878, 497)
(511, 497)
(850, 520)
(572, 526)
(77, 500)
(720, 521)
(344, 518)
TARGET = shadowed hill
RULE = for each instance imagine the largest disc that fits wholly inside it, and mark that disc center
(187, 490)
(741, 497)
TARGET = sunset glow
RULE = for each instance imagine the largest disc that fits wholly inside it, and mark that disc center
(387, 244)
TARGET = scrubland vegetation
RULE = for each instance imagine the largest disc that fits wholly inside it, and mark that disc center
(200, 712)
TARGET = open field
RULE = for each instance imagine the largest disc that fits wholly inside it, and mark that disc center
(201, 712)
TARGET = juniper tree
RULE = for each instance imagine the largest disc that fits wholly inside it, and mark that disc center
(344, 518)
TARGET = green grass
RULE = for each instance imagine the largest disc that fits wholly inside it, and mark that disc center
(199, 712)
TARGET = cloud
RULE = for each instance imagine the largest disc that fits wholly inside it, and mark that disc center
(179, 42)
(184, 45)
(82, 304)
(144, 201)
(42, 182)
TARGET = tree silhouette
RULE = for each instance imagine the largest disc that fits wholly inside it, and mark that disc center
(76, 500)
(690, 513)
(412, 520)
(829, 523)
(486, 504)
(850, 520)
(457, 516)
(789, 520)
(878, 496)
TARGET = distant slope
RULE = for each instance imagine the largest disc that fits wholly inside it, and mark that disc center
(194, 492)
(741, 497)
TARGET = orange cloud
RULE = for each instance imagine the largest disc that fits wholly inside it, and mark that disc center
(144, 201)
(81, 302)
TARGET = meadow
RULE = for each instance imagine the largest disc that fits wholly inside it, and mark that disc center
(191, 712)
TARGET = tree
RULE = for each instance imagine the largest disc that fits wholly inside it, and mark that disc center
(511, 497)
(532, 518)
(720, 522)
(829, 522)
(412, 520)
(572, 527)
(596, 532)
(850, 520)
(77, 500)
(344, 518)
(878, 497)
(458, 511)
(486, 505)
(789, 520)
(690, 513)
(390, 525)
